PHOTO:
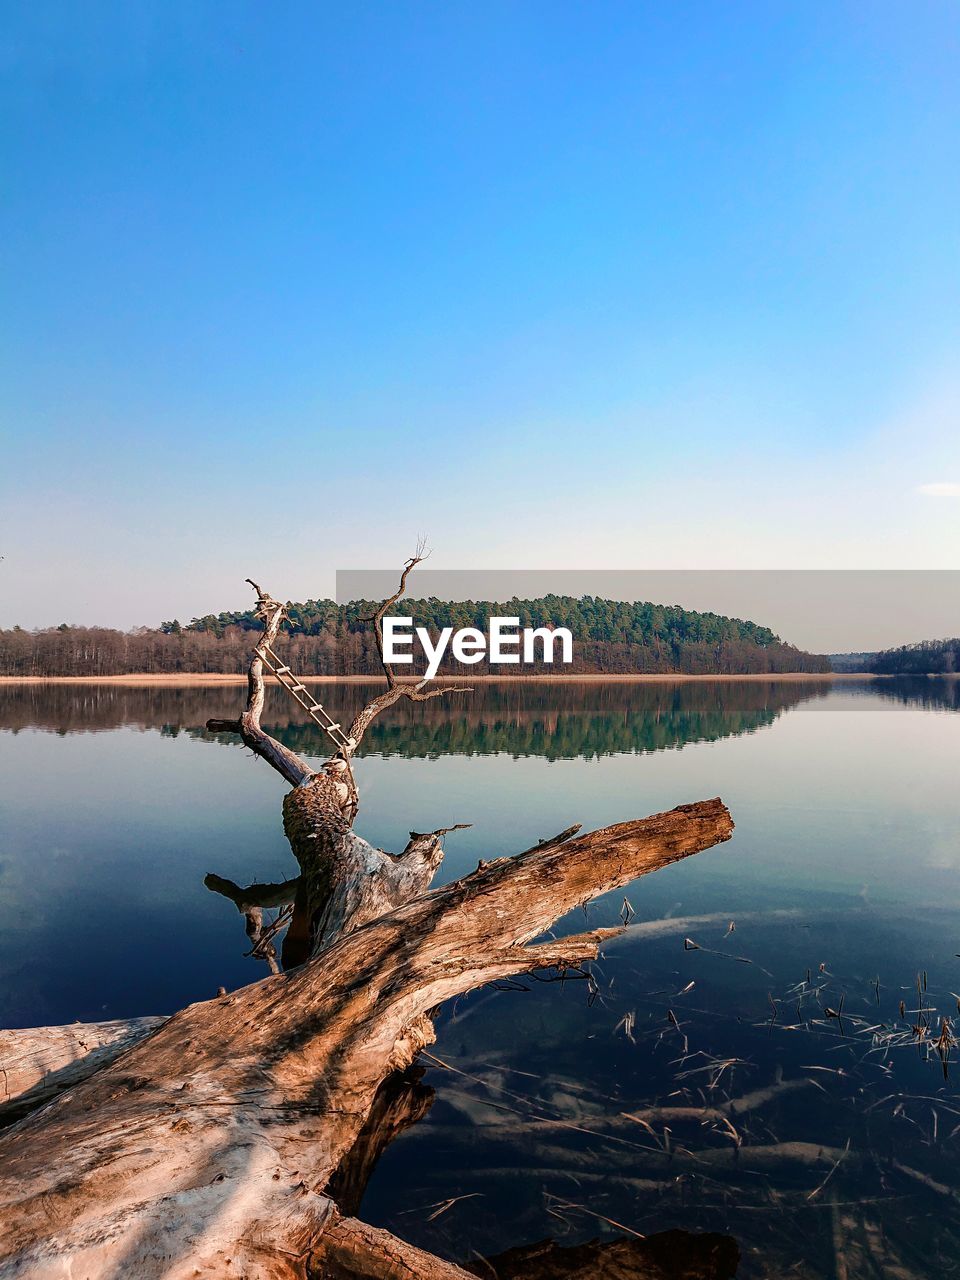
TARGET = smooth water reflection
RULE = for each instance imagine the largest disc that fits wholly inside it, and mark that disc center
(842, 871)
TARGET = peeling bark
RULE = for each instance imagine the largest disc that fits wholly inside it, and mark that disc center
(39, 1062)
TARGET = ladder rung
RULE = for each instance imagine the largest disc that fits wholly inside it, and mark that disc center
(295, 688)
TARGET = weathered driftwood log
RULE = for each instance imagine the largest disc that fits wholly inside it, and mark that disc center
(210, 1147)
(400, 1102)
(206, 1149)
(37, 1063)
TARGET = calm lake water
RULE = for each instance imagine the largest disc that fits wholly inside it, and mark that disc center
(838, 895)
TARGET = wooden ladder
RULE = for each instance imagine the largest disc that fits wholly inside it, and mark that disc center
(298, 691)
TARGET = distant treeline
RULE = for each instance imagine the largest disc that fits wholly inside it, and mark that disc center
(851, 662)
(928, 657)
(323, 638)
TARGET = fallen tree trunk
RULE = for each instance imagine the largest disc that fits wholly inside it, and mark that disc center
(37, 1063)
(217, 1145)
(207, 1148)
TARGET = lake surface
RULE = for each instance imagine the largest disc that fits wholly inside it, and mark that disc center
(838, 895)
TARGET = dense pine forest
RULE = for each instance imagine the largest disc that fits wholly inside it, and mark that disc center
(323, 638)
(928, 657)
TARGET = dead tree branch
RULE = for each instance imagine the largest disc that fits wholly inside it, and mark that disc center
(343, 878)
(286, 762)
(416, 692)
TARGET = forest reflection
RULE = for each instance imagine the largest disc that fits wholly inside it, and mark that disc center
(539, 718)
(551, 720)
(933, 692)
(806, 1026)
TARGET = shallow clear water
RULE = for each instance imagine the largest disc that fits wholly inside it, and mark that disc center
(841, 882)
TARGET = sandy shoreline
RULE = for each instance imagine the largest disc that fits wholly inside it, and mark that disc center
(185, 680)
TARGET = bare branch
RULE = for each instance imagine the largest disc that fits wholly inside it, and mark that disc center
(286, 762)
(561, 953)
(417, 558)
(414, 691)
(417, 836)
(254, 895)
(250, 902)
(392, 696)
(416, 695)
(568, 834)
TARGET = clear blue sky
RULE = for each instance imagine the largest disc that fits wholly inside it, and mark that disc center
(562, 284)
